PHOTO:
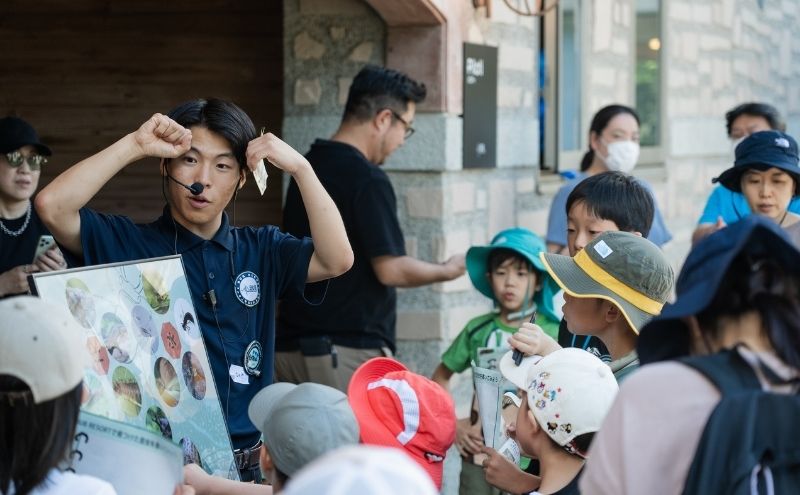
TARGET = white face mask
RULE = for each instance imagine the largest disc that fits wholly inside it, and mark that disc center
(622, 156)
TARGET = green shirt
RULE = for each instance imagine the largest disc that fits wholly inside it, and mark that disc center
(482, 332)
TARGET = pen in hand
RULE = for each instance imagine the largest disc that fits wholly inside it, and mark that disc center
(517, 355)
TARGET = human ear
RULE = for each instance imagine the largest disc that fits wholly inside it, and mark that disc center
(612, 313)
(594, 140)
(383, 120)
(535, 428)
(265, 459)
(538, 281)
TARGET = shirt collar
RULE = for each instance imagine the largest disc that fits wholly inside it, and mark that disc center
(186, 240)
(624, 361)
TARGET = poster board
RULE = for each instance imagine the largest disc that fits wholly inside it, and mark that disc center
(149, 367)
(100, 443)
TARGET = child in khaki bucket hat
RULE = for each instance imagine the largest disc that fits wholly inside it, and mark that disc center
(612, 288)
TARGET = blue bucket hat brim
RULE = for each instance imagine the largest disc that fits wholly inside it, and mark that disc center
(526, 244)
(666, 336)
(761, 151)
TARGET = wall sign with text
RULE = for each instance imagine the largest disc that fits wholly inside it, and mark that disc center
(480, 106)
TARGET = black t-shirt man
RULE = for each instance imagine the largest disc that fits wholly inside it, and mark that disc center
(358, 312)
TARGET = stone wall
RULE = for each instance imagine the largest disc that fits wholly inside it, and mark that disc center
(608, 54)
(326, 42)
(718, 54)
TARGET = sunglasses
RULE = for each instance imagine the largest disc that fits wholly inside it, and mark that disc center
(35, 162)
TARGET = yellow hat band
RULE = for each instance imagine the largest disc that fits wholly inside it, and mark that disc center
(602, 277)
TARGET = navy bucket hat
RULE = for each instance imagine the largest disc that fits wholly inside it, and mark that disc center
(526, 244)
(666, 336)
(761, 151)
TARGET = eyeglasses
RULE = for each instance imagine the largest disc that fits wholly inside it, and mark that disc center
(35, 162)
(409, 130)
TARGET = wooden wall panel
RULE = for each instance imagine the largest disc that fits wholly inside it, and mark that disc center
(86, 72)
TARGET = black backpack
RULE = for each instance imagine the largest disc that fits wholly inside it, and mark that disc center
(751, 442)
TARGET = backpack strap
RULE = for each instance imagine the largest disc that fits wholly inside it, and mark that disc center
(727, 370)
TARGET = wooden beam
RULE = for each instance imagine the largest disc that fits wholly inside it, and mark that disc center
(408, 12)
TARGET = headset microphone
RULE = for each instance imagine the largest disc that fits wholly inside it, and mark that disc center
(195, 188)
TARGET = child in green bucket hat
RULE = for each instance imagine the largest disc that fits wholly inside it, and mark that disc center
(510, 273)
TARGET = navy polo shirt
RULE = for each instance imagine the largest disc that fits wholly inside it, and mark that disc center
(279, 260)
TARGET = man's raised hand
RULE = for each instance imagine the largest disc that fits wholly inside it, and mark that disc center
(162, 137)
(270, 147)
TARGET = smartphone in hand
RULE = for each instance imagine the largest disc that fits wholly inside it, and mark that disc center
(45, 243)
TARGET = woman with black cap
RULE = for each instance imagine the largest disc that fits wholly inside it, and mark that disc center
(767, 172)
(736, 319)
(21, 158)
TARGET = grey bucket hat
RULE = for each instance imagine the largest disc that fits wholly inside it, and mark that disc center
(620, 267)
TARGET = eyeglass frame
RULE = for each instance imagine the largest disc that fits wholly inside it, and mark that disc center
(16, 159)
(409, 128)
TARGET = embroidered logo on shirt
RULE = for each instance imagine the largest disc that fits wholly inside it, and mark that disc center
(252, 358)
(247, 288)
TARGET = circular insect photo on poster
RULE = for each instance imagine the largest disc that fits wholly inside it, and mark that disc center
(155, 291)
(145, 326)
(99, 355)
(190, 452)
(80, 302)
(116, 337)
(127, 391)
(167, 383)
(185, 318)
(157, 422)
(193, 376)
(171, 340)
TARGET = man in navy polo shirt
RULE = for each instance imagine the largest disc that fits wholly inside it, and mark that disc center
(235, 274)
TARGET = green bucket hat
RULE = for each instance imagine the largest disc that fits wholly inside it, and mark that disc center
(526, 244)
(623, 268)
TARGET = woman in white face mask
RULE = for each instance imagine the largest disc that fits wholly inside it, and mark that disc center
(613, 146)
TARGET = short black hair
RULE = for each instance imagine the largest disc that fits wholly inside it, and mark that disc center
(498, 256)
(34, 438)
(617, 197)
(221, 117)
(756, 109)
(756, 283)
(600, 122)
(581, 443)
(375, 88)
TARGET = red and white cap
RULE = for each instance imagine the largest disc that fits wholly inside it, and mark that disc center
(398, 408)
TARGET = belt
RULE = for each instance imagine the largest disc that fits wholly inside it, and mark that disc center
(247, 458)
